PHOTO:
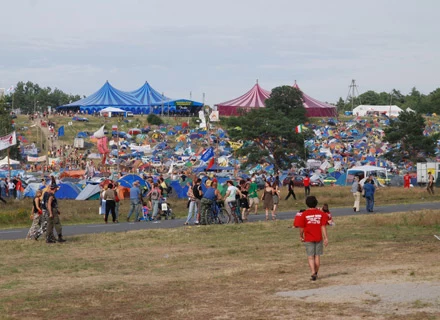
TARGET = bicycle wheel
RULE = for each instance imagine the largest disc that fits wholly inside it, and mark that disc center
(223, 216)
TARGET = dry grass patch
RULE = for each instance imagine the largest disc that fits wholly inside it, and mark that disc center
(219, 272)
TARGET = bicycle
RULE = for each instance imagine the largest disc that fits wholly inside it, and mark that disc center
(235, 211)
(165, 209)
(217, 214)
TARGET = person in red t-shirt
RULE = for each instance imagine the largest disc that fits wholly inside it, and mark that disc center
(306, 182)
(313, 233)
(406, 180)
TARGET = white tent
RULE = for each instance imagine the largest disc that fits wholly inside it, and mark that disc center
(5, 161)
(111, 110)
(363, 110)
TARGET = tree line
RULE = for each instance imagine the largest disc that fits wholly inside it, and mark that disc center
(30, 97)
(415, 100)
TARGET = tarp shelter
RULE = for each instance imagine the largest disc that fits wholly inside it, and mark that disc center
(107, 96)
(67, 190)
(315, 108)
(88, 192)
(128, 180)
(363, 110)
(31, 189)
(254, 98)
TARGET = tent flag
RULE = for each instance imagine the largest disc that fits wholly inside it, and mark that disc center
(208, 154)
(299, 128)
(211, 163)
(61, 131)
(8, 141)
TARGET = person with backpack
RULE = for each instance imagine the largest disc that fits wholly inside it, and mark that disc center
(53, 217)
(154, 195)
(198, 195)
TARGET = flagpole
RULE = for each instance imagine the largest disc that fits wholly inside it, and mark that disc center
(9, 164)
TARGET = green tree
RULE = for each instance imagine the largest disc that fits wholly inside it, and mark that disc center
(269, 137)
(6, 127)
(289, 101)
(405, 134)
(341, 105)
(154, 119)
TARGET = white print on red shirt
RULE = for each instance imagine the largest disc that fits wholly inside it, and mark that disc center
(314, 219)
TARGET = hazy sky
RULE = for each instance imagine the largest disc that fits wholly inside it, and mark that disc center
(221, 47)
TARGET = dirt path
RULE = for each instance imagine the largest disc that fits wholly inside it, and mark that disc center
(399, 298)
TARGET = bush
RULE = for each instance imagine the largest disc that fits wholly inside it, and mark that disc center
(154, 120)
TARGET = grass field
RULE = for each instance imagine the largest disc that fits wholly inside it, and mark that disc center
(222, 272)
(16, 214)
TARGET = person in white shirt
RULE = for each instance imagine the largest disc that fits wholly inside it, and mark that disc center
(230, 200)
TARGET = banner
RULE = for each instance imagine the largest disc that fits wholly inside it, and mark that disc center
(61, 131)
(8, 141)
(54, 161)
(214, 116)
(36, 159)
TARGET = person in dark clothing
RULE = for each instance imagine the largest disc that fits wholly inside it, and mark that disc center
(291, 188)
(54, 217)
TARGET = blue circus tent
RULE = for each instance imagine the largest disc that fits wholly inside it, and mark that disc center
(147, 95)
(105, 97)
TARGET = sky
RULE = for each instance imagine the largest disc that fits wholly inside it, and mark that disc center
(221, 48)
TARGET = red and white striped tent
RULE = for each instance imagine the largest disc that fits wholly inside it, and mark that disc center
(254, 98)
(315, 108)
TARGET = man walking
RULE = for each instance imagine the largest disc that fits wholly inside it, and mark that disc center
(406, 180)
(54, 217)
(369, 189)
(430, 186)
(306, 182)
(135, 201)
(253, 196)
(313, 233)
(291, 187)
(198, 195)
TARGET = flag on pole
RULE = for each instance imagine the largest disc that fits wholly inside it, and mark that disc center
(211, 163)
(8, 141)
(61, 131)
(299, 128)
(208, 154)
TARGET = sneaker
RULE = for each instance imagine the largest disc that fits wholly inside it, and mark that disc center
(313, 277)
(61, 239)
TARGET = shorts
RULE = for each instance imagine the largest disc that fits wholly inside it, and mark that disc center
(253, 201)
(314, 248)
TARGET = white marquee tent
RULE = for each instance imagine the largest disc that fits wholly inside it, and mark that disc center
(363, 110)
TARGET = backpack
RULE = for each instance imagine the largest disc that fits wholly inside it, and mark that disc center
(45, 200)
(154, 194)
(196, 192)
